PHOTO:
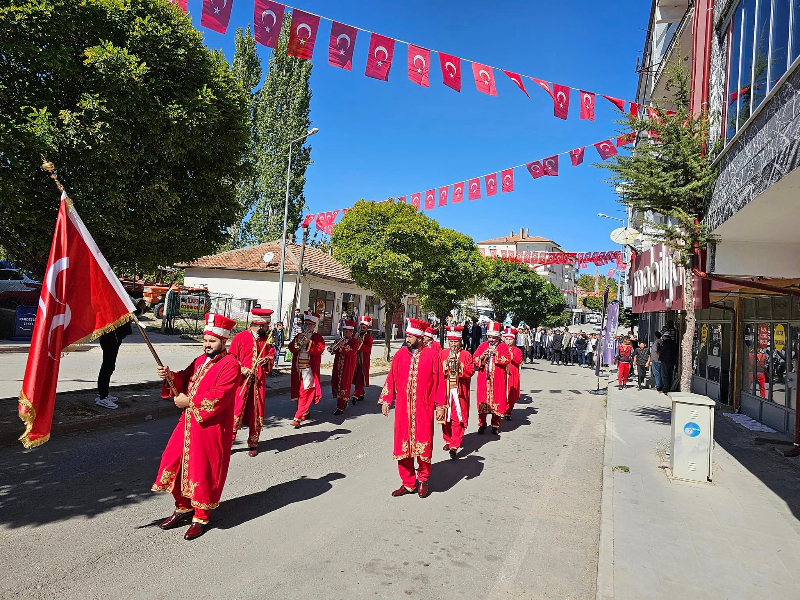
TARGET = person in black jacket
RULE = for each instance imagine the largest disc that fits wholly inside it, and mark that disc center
(557, 347)
(466, 335)
(110, 343)
(669, 360)
(477, 337)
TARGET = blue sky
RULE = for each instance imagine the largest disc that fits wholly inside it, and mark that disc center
(380, 139)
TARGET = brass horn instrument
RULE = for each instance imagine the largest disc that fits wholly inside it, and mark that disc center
(335, 346)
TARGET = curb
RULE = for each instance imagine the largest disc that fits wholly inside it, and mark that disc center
(605, 559)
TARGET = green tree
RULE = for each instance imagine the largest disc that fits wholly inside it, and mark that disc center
(673, 176)
(514, 289)
(592, 283)
(282, 114)
(147, 127)
(387, 248)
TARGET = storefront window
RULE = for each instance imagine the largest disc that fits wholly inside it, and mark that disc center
(779, 43)
(791, 378)
(748, 358)
(764, 306)
(780, 307)
(714, 352)
(777, 363)
(701, 352)
(749, 308)
(763, 350)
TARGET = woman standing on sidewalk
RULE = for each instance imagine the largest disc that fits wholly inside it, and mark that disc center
(623, 360)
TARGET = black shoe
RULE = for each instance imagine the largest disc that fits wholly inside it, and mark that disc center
(508, 417)
(338, 411)
(495, 430)
(481, 429)
(360, 398)
(353, 400)
(453, 453)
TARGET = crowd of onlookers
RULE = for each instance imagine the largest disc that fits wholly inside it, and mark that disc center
(660, 356)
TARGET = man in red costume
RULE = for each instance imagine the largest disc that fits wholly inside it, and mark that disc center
(430, 340)
(345, 351)
(491, 361)
(253, 347)
(417, 381)
(306, 348)
(458, 371)
(361, 375)
(512, 384)
(195, 462)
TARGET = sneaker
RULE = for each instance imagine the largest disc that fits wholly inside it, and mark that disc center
(112, 398)
(105, 402)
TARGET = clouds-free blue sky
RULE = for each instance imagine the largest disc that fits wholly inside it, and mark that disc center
(386, 139)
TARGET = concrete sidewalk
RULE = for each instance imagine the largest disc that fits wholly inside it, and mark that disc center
(738, 537)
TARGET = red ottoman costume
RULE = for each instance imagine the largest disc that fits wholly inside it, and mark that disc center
(306, 348)
(430, 340)
(344, 365)
(491, 361)
(512, 384)
(361, 375)
(458, 370)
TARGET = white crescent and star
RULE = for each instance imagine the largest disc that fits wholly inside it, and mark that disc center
(449, 64)
(414, 62)
(606, 145)
(271, 14)
(490, 183)
(550, 163)
(307, 28)
(507, 180)
(561, 98)
(587, 100)
(62, 320)
(488, 77)
(473, 186)
(341, 37)
(385, 53)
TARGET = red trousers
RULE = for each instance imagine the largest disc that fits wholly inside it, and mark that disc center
(358, 381)
(304, 403)
(495, 420)
(341, 401)
(246, 414)
(409, 475)
(453, 433)
(183, 504)
(761, 378)
(623, 373)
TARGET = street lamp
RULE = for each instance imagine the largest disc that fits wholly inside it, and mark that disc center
(285, 216)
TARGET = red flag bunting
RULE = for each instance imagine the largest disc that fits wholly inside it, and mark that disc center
(605, 149)
(81, 299)
(451, 71)
(507, 179)
(267, 21)
(576, 156)
(551, 166)
(415, 200)
(216, 15)
(379, 59)
(625, 139)
(308, 220)
(490, 181)
(430, 199)
(302, 35)
(535, 169)
(610, 273)
(341, 45)
(443, 196)
(484, 79)
(544, 85)
(319, 223)
(587, 105)
(329, 220)
(401, 200)
(560, 100)
(184, 4)
(620, 104)
(474, 189)
(633, 111)
(419, 65)
(458, 192)
(515, 77)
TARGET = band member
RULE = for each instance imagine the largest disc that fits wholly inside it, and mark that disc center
(361, 375)
(256, 353)
(344, 350)
(194, 464)
(416, 380)
(458, 371)
(491, 362)
(430, 340)
(512, 383)
(306, 348)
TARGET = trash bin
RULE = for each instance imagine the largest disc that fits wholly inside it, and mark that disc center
(692, 436)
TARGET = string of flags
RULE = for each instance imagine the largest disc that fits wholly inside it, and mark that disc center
(268, 21)
(540, 259)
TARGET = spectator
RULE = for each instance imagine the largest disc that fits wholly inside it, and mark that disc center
(591, 346)
(278, 338)
(556, 347)
(297, 324)
(477, 336)
(655, 361)
(642, 359)
(110, 343)
(521, 341)
(623, 360)
(483, 333)
(669, 360)
(581, 344)
(537, 344)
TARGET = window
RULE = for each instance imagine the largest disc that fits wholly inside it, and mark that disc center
(779, 41)
(747, 12)
(777, 363)
(795, 28)
(761, 57)
(733, 75)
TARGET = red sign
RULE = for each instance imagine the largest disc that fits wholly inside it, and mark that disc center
(657, 282)
(763, 335)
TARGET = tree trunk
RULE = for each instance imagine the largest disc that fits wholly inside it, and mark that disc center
(387, 342)
(688, 335)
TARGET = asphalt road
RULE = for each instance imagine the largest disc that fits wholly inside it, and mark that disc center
(518, 516)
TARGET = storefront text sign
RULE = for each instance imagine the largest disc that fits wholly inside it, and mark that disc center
(657, 281)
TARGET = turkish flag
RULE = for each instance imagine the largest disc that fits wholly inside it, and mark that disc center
(81, 299)
(535, 169)
(330, 218)
(184, 4)
(620, 104)
(515, 77)
(605, 149)
(587, 105)
(484, 79)
(633, 111)
(419, 65)
(560, 100)
(320, 222)
(610, 273)
(474, 189)
(341, 46)
(302, 35)
(625, 139)
(379, 59)
(544, 85)
(458, 192)
(267, 21)
(415, 198)
(491, 184)
(308, 220)
(451, 71)
(430, 199)
(551, 166)
(443, 195)
(216, 15)
(402, 199)
(507, 179)
(576, 156)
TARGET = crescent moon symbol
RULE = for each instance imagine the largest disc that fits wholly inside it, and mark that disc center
(422, 58)
(339, 39)
(449, 64)
(302, 26)
(605, 145)
(488, 78)
(224, 3)
(587, 100)
(385, 52)
(559, 97)
(507, 177)
(271, 14)
(473, 186)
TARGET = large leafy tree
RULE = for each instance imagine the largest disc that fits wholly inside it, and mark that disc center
(387, 248)
(672, 175)
(595, 283)
(147, 127)
(514, 289)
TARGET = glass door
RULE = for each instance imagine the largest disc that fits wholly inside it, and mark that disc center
(791, 365)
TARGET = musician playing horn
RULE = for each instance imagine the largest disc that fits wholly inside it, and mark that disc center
(491, 361)
(512, 379)
(361, 375)
(345, 351)
(306, 348)
(256, 354)
(458, 371)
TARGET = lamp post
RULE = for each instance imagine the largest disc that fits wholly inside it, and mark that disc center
(285, 217)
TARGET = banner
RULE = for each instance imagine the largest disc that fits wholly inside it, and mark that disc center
(598, 362)
(609, 341)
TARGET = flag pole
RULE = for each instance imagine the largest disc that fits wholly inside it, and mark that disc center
(50, 168)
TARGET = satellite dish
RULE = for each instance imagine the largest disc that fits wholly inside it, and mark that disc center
(624, 236)
(268, 257)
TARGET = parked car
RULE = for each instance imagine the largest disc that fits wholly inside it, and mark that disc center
(17, 288)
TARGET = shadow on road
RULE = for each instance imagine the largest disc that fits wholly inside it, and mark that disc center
(449, 472)
(295, 440)
(238, 511)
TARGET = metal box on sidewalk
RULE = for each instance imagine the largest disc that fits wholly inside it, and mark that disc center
(692, 436)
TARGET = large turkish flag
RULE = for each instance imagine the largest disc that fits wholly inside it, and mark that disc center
(216, 15)
(341, 45)
(379, 59)
(267, 21)
(302, 34)
(419, 65)
(81, 299)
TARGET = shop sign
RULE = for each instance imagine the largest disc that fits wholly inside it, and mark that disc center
(704, 333)
(24, 320)
(748, 335)
(763, 335)
(780, 337)
(657, 282)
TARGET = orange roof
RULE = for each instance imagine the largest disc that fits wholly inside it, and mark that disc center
(512, 239)
(315, 261)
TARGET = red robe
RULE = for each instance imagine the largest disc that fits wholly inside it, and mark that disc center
(344, 365)
(250, 396)
(512, 385)
(435, 346)
(301, 393)
(494, 402)
(200, 446)
(466, 371)
(361, 374)
(417, 381)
